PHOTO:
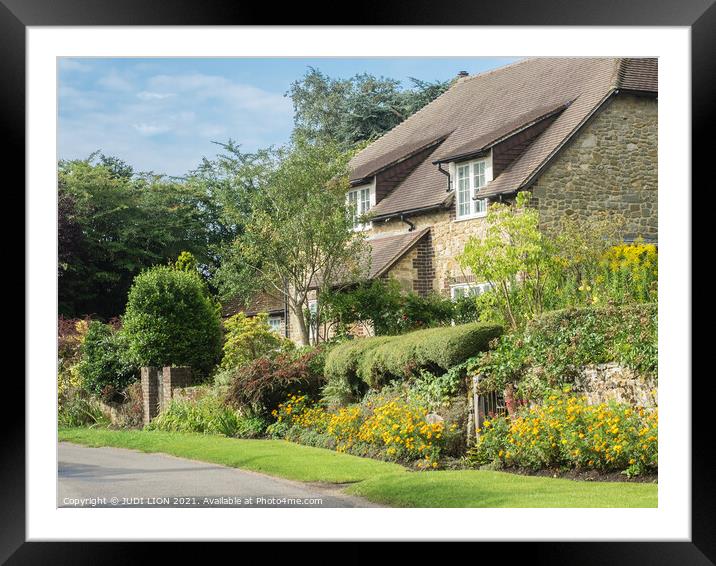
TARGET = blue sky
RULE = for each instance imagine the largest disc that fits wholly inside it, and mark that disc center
(163, 114)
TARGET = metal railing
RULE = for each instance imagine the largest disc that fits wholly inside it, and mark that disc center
(486, 405)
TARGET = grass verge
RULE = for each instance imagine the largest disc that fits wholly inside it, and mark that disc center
(478, 488)
(381, 482)
(274, 457)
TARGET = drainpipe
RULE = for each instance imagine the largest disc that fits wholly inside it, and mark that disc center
(408, 222)
(447, 174)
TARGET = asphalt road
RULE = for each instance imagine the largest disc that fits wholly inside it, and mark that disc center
(115, 477)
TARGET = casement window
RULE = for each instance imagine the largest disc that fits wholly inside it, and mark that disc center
(360, 200)
(274, 323)
(470, 177)
(468, 290)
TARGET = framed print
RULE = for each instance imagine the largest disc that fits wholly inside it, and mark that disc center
(389, 279)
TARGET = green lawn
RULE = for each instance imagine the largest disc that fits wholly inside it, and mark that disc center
(377, 481)
(478, 488)
(274, 457)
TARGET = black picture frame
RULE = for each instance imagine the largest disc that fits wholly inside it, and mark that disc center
(698, 15)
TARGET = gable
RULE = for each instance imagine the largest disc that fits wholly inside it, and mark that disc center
(492, 111)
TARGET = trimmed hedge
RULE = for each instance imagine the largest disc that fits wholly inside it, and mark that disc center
(374, 361)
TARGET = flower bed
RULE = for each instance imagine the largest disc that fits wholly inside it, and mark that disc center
(566, 433)
(385, 427)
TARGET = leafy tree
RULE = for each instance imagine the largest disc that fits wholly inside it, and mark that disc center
(231, 182)
(512, 254)
(249, 338)
(299, 234)
(358, 109)
(114, 223)
(171, 320)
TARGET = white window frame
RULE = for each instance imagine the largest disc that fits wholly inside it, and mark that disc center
(468, 289)
(358, 194)
(274, 323)
(479, 174)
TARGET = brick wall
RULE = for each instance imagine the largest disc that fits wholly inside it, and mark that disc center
(158, 385)
(151, 392)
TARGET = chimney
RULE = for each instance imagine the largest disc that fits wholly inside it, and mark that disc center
(462, 74)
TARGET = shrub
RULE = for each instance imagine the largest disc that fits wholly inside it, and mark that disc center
(383, 425)
(70, 336)
(262, 384)
(352, 367)
(565, 432)
(105, 368)
(549, 351)
(170, 320)
(130, 413)
(630, 273)
(248, 338)
(383, 305)
(435, 391)
(433, 349)
(465, 309)
(76, 409)
(344, 385)
(206, 415)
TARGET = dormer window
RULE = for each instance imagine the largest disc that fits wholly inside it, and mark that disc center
(470, 177)
(360, 200)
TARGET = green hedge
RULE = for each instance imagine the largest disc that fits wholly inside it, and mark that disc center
(374, 361)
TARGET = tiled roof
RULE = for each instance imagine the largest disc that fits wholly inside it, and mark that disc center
(387, 250)
(639, 74)
(478, 108)
(486, 141)
(370, 168)
(261, 302)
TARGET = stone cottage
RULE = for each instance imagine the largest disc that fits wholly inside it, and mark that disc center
(579, 133)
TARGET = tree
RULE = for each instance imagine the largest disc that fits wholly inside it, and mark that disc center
(513, 256)
(171, 320)
(299, 235)
(113, 223)
(231, 182)
(355, 110)
(248, 338)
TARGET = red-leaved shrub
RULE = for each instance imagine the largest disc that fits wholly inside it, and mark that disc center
(264, 383)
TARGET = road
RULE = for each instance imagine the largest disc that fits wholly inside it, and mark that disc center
(115, 477)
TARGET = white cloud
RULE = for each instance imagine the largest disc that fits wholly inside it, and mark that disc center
(146, 95)
(166, 123)
(150, 129)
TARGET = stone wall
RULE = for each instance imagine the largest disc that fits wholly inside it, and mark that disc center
(447, 240)
(611, 165)
(405, 272)
(612, 382)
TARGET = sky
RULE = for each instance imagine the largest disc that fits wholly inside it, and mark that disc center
(163, 115)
